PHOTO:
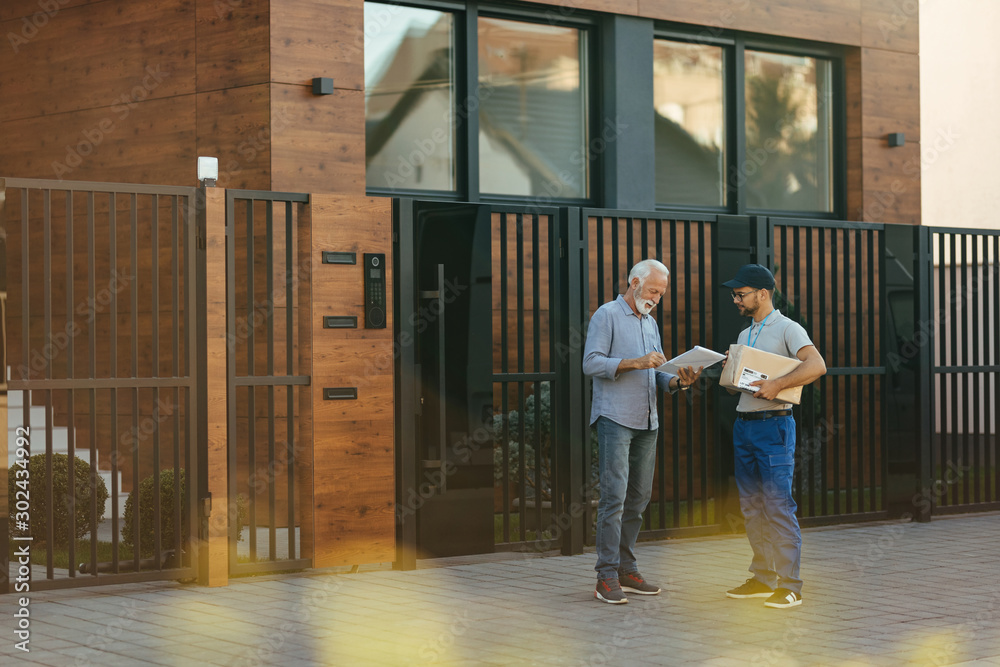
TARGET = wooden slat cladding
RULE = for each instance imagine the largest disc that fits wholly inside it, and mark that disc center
(319, 142)
(836, 21)
(891, 24)
(99, 56)
(311, 38)
(234, 125)
(890, 93)
(38, 16)
(232, 44)
(891, 183)
(150, 142)
(352, 457)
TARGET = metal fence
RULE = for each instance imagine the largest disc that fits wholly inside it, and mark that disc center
(828, 278)
(964, 333)
(101, 403)
(265, 375)
(685, 481)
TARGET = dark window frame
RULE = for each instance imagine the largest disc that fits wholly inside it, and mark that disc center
(466, 21)
(735, 44)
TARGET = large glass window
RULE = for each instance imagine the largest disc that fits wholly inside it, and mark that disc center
(690, 132)
(789, 132)
(532, 110)
(409, 98)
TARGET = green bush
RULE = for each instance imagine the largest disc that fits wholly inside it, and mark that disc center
(63, 504)
(146, 508)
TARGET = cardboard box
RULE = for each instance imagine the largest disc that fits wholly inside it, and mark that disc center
(747, 364)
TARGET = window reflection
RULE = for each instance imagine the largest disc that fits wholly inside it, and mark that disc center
(688, 89)
(789, 133)
(532, 110)
(409, 98)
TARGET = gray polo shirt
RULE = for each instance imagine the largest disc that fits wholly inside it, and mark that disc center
(778, 335)
(617, 333)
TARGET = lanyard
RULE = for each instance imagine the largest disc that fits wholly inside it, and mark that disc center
(761, 329)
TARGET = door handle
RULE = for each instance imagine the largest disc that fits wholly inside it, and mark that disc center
(438, 295)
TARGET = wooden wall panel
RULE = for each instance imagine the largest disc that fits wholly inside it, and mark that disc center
(311, 38)
(105, 55)
(154, 143)
(836, 21)
(891, 183)
(31, 9)
(353, 458)
(890, 94)
(232, 44)
(319, 142)
(891, 24)
(214, 554)
(234, 126)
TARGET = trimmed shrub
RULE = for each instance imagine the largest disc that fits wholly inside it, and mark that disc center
(63, 505)
(146, 508)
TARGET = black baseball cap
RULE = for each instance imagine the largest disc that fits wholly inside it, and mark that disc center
(752, 275)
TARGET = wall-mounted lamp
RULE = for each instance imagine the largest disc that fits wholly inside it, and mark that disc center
(322, 86)
(897, 139)
(208, 171)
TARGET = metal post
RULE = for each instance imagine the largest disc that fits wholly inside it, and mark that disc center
(907, 342)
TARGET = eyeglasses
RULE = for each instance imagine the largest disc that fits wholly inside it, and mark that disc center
(738, 296)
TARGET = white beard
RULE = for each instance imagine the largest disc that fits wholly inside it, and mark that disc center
(644, 305)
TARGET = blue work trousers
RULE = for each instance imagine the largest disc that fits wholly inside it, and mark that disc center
(765, 464)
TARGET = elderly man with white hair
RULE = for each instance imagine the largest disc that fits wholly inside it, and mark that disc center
(622, 352)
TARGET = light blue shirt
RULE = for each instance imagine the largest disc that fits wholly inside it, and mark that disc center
(629, 398)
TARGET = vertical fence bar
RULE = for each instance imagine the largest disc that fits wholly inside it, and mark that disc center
(706, 308)
(175, 370)
(113, 360)
(92, 358)
(504, 366)
(661, 458)
(133, 290)
(251, 390)
(269, 301)
(809, 257)
(689, 405)
(835, 319)
(872, 361)
(953, 360)
(848, 380)
(70, 373)
(975, 295)
(831, 443)
(155, 413)
(46, 339)
(290, 271)
(675, 459)
(859, 274)
(536, 366)
(519, 318)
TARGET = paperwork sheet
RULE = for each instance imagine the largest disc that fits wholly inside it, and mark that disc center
(697, 357)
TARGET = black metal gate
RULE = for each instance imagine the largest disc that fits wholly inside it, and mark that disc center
(867, 446)
(102, 394)
(964, 335)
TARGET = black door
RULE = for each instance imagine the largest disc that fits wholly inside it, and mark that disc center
(445, 491)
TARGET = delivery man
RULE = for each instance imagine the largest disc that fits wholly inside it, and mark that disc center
(764, 444)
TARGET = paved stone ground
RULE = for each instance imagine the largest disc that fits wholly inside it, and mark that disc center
(876, 594)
